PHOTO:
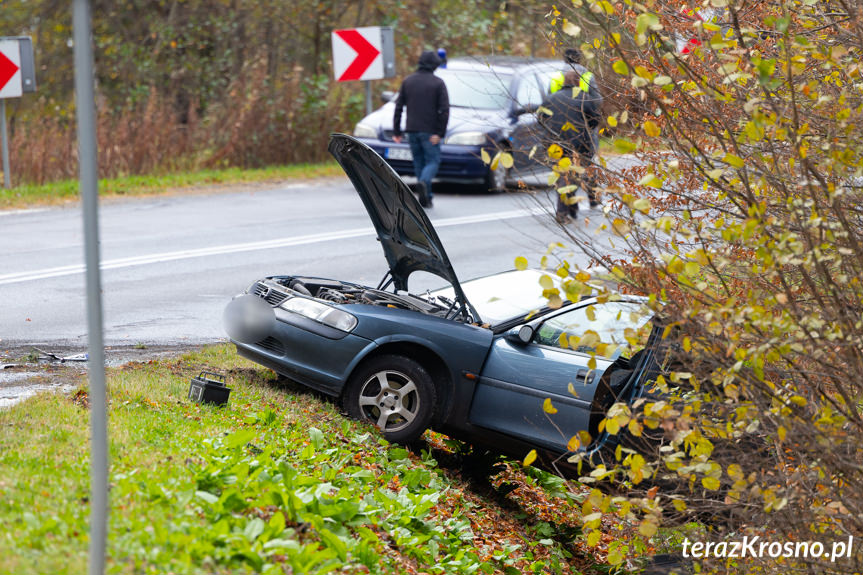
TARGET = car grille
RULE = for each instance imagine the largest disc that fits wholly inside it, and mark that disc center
(270, 295)
(272, 345)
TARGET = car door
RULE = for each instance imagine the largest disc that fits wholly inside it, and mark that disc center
(517, 378)
(526, 137)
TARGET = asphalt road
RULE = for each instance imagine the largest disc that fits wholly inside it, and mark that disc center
(171, 263)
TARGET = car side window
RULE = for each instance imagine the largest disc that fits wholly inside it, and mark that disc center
(528, 93)
(609, 329)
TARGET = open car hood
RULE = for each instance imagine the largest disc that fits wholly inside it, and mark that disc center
(407, 236)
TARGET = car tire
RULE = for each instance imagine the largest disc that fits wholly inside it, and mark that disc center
(375, 393)
(495, 180)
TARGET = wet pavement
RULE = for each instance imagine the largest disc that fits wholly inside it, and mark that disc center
(25, 372)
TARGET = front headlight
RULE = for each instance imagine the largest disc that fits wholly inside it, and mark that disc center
(321, 313)
(467, 139)
(365, 131)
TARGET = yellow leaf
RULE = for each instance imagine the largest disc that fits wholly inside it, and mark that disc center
(651, 180)
(570, 28)
(620, 227)
(593, 538)
(691, 268)
(612, 426)
(571, 389)
(546, 282)
(495, 161)
(635, 428)
(620, 67)
(486, 159)
(590, 312)
(611, 121)
(606, 349)
(733, 160)
(573, 444)
(555, 152)
(506, 160)
(548, 407)
(781, 432)
(521, 263)
(687, 345)
(710, 483)
(562, 341)
(647, 528)
(529, 458)
(642, 205)
(651, 129)
(564, 165)
(589, 338)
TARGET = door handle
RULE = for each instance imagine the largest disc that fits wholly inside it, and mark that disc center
(585, 376)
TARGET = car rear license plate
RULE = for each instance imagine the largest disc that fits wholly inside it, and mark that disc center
(399, 154)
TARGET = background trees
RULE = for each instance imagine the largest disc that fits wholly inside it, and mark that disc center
(192, 83)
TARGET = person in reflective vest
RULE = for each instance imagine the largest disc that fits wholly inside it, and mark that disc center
(570, 117)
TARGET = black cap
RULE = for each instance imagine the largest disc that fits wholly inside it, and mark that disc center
(572, 56)
(429, 61)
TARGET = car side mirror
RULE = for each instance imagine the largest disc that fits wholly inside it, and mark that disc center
(521, 110)
(387, 95)
(521, 335)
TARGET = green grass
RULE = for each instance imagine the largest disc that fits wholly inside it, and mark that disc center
(68, 190)
(277, 482)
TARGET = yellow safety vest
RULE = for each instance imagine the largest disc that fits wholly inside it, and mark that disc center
(583, 83)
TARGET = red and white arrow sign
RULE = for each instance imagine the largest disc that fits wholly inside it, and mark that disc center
(10, 69)
(357, 54)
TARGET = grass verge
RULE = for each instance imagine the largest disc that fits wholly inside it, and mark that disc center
(276, 482)
(67, 190)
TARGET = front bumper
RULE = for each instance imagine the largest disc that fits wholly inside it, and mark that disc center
(457, 163)
(315, 355)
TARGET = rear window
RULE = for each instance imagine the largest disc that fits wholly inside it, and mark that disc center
(478, 90)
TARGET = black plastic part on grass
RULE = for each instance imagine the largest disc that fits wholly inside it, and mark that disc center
(209, 387)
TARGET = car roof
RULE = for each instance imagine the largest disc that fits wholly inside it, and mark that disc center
(500, 64)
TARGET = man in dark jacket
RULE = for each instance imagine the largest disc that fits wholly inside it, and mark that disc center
(571, 119)
(427, 102)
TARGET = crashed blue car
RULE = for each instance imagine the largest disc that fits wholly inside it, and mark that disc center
(486, 360)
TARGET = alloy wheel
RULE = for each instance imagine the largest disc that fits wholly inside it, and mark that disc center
(390, 400)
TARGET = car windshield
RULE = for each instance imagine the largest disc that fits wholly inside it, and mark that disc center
(504, 296)
(477, 90)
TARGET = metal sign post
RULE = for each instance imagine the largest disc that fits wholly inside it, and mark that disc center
(86, 111)
(7, 179)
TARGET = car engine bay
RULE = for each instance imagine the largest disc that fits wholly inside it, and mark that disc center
(276, 289)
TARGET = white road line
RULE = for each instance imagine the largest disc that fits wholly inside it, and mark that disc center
(46, 273)
(21, 212)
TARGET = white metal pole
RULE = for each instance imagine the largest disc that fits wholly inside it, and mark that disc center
(86, 112)
(7, 177)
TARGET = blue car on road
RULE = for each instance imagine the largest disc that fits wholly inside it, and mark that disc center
(477, 360)
(489, 100)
